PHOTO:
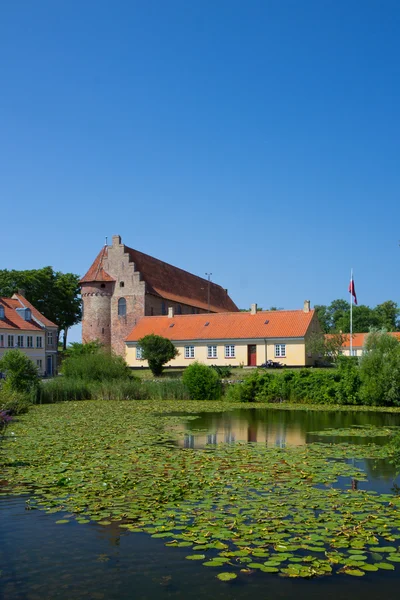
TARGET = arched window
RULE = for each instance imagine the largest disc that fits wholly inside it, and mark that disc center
(122, 307)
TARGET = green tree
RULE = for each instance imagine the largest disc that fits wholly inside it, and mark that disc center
(324, 317)
(380, 370)
(388, 314)
(56, 295)
(21, 374)
(157, 350)
(78, 349)
(364, 318)
(328, 347)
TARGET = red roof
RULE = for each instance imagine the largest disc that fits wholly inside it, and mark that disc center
(36, 314)
(167, 281)
(358, 339)
(226, 326)
(12, 319)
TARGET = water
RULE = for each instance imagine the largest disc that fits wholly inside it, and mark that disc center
(42, 560)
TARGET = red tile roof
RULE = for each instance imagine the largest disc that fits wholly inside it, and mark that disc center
(167, 281)
(226, 326)
(12, 319)
(358, 339)
(36, 314)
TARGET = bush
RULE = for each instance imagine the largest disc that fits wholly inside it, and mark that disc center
(202, 382)
(21, 373)
(12, 402)
(95, 367)
(223, 371)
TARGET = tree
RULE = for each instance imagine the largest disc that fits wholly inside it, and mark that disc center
(364, 318)
(157, 350)
(380, 370)
(78, 349)
(21, 373)
(328, 347)
(388, 314)
(56, 295)
(324, 317)
(202, 382)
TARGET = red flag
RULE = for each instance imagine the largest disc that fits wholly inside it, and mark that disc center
(352, 290)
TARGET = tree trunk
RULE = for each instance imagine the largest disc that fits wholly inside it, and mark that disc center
(65, 338)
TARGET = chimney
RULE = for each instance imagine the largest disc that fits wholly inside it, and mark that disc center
(116, 240)
(253, 309)
(171, 312)
(306, 308)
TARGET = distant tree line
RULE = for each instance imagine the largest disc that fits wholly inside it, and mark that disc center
(335, 318)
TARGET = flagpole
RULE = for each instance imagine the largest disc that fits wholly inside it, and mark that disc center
(351, 314)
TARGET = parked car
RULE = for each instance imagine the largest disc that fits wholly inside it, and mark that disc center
(272, 364)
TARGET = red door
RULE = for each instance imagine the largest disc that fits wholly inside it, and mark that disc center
(252, 356)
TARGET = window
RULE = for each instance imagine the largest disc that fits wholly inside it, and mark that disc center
(20, 341)
(1, 312)
(211, 351)
(163, 308)
(1, 341)
(39, 342)
(50, 338)
(10, 341)
(103, 285)
(280, 350)
(29, 341)
(28, 314)
(178, 309)
(39, 364)
(121, 284)
(189, 351)
(229, 351)
(139, 353)
(122, 307)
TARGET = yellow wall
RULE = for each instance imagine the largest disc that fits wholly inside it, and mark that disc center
(35, 354)
(295, 353)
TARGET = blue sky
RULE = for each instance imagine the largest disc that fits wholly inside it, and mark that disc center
(255, 140)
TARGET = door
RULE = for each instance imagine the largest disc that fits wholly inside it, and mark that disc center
(252, 355)
(49, 369)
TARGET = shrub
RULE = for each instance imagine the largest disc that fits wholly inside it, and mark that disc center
(223, 371)
(12, 402)
(157, 350)
(21, 373)
(95, 367)
(202, 382)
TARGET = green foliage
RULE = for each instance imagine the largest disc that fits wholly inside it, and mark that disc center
(336, 317)
(326, 347)
(15, 403)
(102, 366)
(157, 350)
(56, 295)
(62, 389)
(202, 382)
(78, 349)
(21, 373)
(223, 371)
(380, 370)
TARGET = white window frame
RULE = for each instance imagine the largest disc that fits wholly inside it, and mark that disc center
(10, 338)
(280, 350)
(39, 341)
(230, 351)
(20, 341)
(212, 352)
(29, 341)
(139, 353)
(189, 351)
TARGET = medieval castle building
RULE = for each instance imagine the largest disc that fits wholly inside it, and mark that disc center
(123, 285)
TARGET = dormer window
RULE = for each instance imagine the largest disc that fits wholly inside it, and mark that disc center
(24, 313)
(2, 312)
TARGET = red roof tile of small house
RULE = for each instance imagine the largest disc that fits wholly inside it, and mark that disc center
(167, 281)
(36, 314)
(358, 339)
(226, 326)
(12, 320)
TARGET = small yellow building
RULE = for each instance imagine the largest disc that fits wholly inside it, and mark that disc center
(23, 327)
(358, 341)
(236, 339)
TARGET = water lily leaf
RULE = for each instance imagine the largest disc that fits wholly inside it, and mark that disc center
(196, 557)
(226, 576)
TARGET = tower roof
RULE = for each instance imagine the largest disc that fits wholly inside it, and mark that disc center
(167, 281)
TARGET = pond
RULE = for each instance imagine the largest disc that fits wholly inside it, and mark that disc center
(152, 500)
